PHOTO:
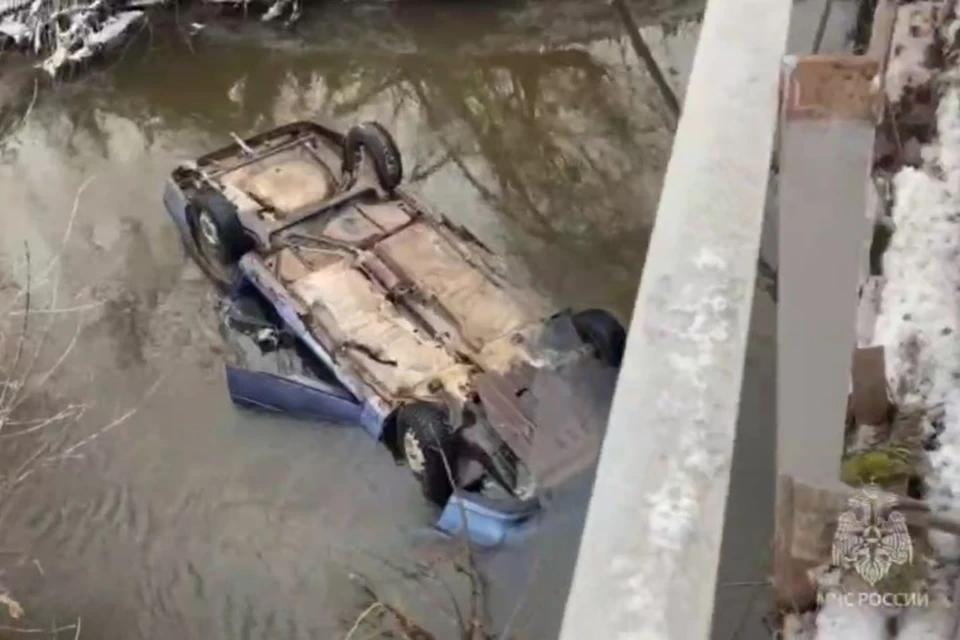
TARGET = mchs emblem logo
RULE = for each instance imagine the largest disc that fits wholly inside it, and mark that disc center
(871, 537)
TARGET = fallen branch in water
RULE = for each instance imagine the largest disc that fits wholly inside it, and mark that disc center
(475, 625)
(380, 616)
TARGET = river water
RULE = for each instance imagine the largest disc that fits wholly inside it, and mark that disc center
(190, 519)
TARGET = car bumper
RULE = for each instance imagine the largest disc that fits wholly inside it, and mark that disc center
(489, 523)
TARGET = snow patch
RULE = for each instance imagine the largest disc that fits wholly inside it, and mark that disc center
(913, 31)
(836, 620)
(926, 624)
(920, 317)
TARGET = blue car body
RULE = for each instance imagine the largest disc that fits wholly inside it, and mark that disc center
(275, 363)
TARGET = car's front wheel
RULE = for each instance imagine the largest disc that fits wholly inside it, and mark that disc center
(430, 449)
(373, 139)
(218, 229)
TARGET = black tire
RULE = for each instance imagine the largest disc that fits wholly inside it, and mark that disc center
(217, 227)
(603, 332)
(427, 441)
(380, 147)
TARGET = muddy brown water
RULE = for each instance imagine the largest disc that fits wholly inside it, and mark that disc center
(191, 519)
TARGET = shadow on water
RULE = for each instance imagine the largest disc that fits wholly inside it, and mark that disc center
(195, 520)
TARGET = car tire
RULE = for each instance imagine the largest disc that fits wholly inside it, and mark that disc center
(217, 227)
(602, 331)
(429, 447)
(380, 147)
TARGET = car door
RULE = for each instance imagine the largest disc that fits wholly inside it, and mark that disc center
(268, 368)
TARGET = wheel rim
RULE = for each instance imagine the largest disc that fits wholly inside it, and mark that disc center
(208, 229)
(414, 452)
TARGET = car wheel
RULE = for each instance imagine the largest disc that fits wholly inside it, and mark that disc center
(374, 140)
(430, 449)
(218, 228)
(603, 332)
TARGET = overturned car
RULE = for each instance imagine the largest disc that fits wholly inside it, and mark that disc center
(346, 301)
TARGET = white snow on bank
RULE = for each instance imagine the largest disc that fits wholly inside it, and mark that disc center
(918, 320)
(912, 31)
(919, 324)
(839, 621)
(936, 620)
(929, 623)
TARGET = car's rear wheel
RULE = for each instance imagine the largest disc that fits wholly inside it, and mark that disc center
(218, 229)
(430, 449)
(602, 331)
(374, 140)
